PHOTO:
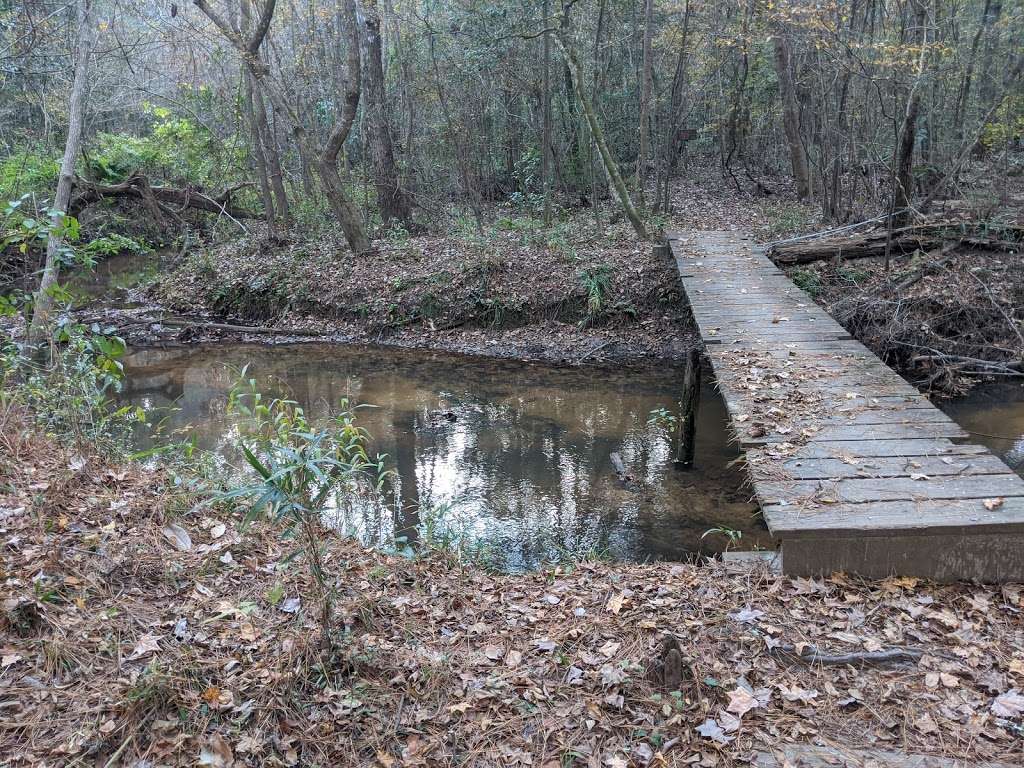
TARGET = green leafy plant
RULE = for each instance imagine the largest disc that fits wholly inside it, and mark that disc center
(597, 286)
(301, 471)
(662, 417)
(111, 245)
(27, 171)
(24, 231)
(72, 394)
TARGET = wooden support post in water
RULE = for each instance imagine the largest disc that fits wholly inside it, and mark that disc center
(688, 416)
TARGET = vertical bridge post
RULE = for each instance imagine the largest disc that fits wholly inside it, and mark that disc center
(688, 415)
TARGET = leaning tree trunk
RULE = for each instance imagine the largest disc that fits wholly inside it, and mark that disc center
(611, 166)
(391, 197)
(44, 302)
(791, 115)
(325, 162)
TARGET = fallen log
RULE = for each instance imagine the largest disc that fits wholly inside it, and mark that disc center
(904, 240)
(159, 199)
(184, 322)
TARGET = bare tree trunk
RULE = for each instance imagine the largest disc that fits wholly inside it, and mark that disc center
(391, 198)
(273, 157)
(646, 86)
(671, 145)
(325, 161)
(611, 166)
(327, 165)
(44, 302)
(545, 139)
(904, 159)
(258, 155)
(791, 115)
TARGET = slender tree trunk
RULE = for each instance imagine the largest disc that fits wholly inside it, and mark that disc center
(327, 165)
(391, 198)
(646, 86)
(611, 166)
(545, 139)
(791, 115)
(44, 302)
(258, 155)
(904, 165)
(272, 155)
(671, 145)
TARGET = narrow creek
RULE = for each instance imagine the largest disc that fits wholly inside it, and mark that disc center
(518, 454)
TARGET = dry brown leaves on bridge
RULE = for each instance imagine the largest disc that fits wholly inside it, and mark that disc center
(127, 641)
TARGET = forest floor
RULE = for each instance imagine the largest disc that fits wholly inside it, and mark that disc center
(580, 290)
(141, 630)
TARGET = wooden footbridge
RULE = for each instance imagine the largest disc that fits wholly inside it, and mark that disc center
(853, 468)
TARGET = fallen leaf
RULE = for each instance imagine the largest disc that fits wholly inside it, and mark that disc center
(147, 644)
(747, 615)
(710, 729)
(1009, 704)
(615, 603)
(609, 649)
(741, 701)
(178, 536)
(216, 753)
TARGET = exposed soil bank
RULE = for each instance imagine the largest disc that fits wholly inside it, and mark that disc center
(579, 291)
(532, 295)
(124, 643)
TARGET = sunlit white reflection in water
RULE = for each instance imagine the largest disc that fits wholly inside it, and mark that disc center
(507, 456)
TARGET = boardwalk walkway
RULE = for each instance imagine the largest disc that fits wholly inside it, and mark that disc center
(854, 469)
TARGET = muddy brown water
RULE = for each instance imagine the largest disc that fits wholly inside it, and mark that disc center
(514, 457)
(114, 276)
(993, 414)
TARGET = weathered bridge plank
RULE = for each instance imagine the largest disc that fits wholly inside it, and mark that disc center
(855, 470)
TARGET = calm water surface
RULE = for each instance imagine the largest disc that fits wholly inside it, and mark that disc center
(517, 454)
(994, 415)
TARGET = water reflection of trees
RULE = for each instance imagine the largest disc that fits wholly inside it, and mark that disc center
(527, 452)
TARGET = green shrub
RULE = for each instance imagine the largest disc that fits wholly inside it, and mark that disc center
(597, 285)
(301, 472)
(71, 395)
(175, 149)
(28, 171)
